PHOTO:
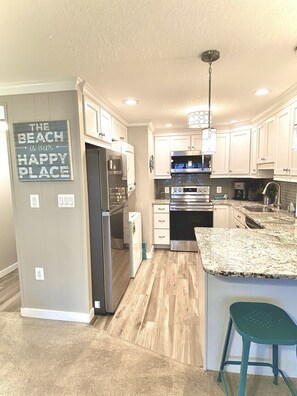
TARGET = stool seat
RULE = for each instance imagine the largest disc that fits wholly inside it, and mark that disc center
(263, 323)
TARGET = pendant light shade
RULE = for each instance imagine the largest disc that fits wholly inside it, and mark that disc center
(197, 119)
(208, 141)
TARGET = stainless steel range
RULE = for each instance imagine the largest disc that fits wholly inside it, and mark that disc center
(190, 207)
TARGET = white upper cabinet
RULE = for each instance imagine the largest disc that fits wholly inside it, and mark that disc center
(220, 160)
(186, 142)
(239, 163)
(118, 130)
(162, 157)
(105, 125)
(253, 159)
(91, 117)
(266, 143)
(286, 159)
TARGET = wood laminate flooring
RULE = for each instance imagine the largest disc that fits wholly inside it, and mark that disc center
(10, 296)
(159, 310)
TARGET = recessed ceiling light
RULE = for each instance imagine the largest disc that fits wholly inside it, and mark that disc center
(130, 101)
(168, 125)
(262, 91)
(233, 121)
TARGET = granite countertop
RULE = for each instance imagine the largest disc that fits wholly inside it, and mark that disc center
(248, 253)
(267, 253)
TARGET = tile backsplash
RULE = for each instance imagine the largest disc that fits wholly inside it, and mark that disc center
(288, 190)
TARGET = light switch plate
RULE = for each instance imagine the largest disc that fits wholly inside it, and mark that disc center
(219, 190)
(66, 201)
(166, 190)
(39, 273)
(34, 201)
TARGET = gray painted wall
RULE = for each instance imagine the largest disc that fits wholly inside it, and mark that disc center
(141, 138)
(8, 254)
(50, 237)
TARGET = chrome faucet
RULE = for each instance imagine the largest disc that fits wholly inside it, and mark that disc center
(276, 203)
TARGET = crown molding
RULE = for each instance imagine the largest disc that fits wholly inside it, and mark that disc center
(38, 87)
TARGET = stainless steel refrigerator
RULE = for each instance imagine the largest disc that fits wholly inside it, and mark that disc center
(107, 192)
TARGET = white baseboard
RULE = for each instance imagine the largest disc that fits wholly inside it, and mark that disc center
(9, 269)
(58, 315)
(149, 254)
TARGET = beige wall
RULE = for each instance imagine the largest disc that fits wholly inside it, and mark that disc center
(50, 237)
(141, 138)
(8, 255)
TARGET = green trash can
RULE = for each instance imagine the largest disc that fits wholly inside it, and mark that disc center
(143, 250)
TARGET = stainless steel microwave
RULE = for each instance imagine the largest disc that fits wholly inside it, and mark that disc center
(190, 162)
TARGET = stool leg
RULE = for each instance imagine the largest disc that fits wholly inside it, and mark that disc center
(244, 366)
(275, 363)
(225, 349)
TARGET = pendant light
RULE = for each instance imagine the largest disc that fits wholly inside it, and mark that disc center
(209, 134)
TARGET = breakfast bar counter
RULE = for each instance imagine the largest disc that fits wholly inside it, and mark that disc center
(244, 265)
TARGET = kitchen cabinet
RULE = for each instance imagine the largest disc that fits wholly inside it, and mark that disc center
(186, 142)
(253, 159)
(239, 162)
(91, 117)
(286, 159)
(162, 157)
(129, 151)
(221, 216)
(220, 160)
(105, 125)
(266, 143)
(118, 130)
(238, 219)
(161, 224)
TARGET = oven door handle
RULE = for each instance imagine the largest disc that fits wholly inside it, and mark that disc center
(190, 209)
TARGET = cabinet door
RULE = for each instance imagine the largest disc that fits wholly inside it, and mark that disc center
(282, 142)
(293, 154)
(105, 125)
(118, 130)
(162, 157)
(221, 216)
(91, 117)
(253, 162)
(196, 142)
(180, 143)
(266, 139)
(221, 157)
(240, 152)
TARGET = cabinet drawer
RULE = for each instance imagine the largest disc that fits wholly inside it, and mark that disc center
(239, 217)
(161, 220)
(161, 208)
(161, 237)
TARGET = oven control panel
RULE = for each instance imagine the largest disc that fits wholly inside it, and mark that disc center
(190, 190)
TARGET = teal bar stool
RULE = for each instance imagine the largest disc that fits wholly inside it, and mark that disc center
(261, 323)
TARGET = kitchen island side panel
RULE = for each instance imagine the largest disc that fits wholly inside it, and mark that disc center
(221, 292)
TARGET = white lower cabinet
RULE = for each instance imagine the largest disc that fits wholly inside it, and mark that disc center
(238, 219)
(221, 216)
(161, 224)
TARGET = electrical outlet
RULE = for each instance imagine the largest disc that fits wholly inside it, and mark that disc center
(39, 273)
(219, 190)
(97, 304)
(166, 190)
(66, 201)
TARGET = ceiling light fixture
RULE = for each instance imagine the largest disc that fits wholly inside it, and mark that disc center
(209, 134)
(262, 91)
(131, 101)
(168, 125)
(198, 119)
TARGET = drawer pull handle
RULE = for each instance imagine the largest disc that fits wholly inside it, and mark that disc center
(161, 236)
(161, 208)
(161, 221)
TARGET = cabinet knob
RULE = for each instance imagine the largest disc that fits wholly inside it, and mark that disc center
(254, 170)
(189, 147)
(121, 137)
(284, 169)
(230, 170)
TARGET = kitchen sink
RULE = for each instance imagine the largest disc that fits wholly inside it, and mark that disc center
(262, 209)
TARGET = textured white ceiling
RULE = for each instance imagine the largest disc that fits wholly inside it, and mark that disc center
(149, 49)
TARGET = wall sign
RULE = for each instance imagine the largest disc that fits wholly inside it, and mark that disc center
(42, 150)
